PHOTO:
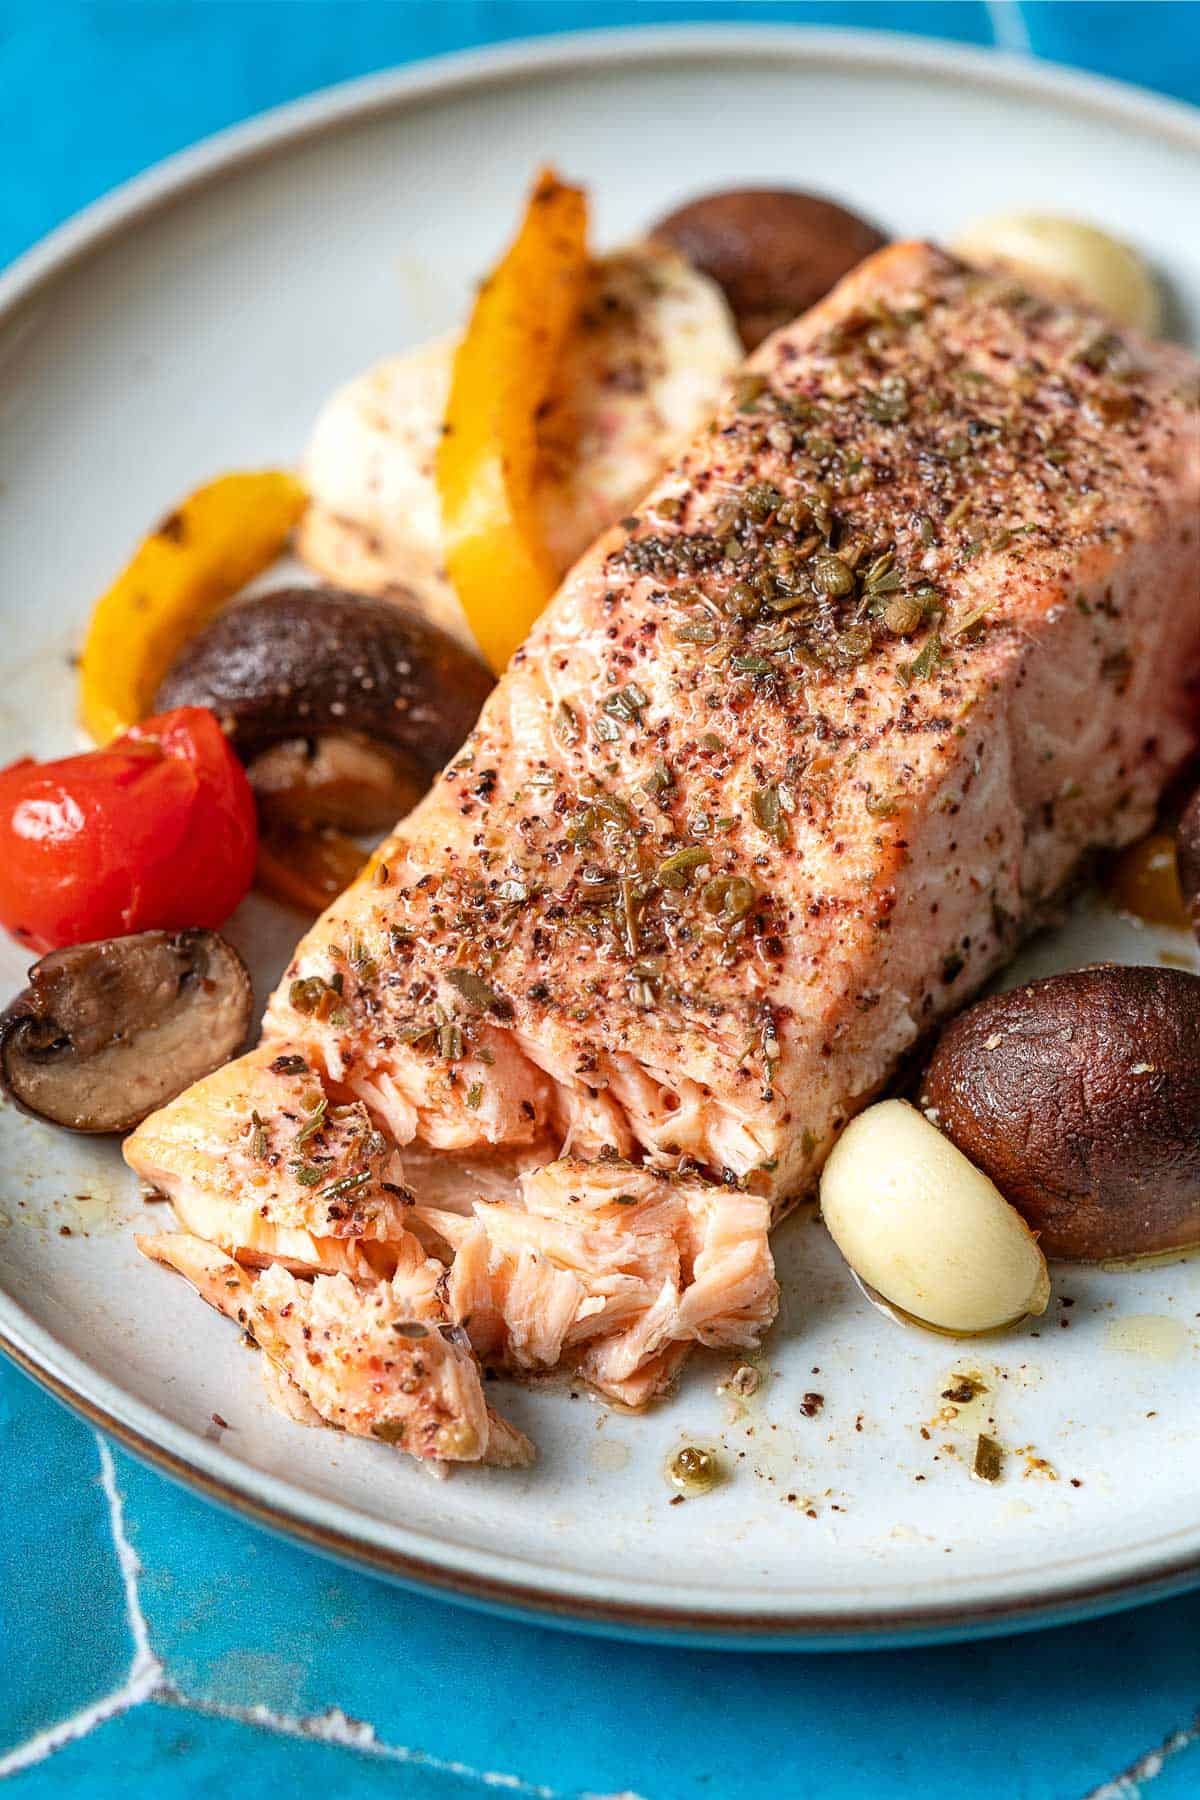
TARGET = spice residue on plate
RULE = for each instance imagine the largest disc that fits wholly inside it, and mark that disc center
(608, 1456)
(967, 1397)
(105, 1209)
(1153, 1336)
(694, 1470)
(966, 1402)
(988, 1461)
(745, 1387)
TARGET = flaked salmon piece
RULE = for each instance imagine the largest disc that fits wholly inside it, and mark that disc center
(783, 773)
(517, 1309)
(653, 1379)
(604, 1266)
(270, 1166)
(359, 1357)
(496, 1096)
(454, 1183)
(417, 1281)
(286, 1397)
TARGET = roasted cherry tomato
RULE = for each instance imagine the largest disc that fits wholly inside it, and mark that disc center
(156, 830)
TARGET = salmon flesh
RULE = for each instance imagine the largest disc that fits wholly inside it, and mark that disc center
(784, 772)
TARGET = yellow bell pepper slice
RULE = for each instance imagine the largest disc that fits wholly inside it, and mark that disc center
(487, 460)
(217, 540)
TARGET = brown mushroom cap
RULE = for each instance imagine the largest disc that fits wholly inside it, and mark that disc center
(1079, 1096)
(106, 1032)
(310, 663)
(773, 251)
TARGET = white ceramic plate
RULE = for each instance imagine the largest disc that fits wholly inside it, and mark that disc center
(194, 322)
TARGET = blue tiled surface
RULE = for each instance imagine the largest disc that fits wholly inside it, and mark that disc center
(49, 1460)
(264, 1668)
(93, 93)
(164, 1750)
(262, 1650)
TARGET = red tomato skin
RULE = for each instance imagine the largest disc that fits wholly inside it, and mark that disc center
(156, 830)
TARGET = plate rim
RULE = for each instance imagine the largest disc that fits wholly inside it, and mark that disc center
(185, 1456)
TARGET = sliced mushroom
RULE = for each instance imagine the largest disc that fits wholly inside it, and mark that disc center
(344, 707)
(773, 251)
(107, 1032)
(337, 779)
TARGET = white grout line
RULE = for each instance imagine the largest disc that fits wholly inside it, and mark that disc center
(1009, 29)
(145, 1663)
(37, 1749)
(1128, 1785)
(145, 1670)
(146, 1681)
(336, 1727)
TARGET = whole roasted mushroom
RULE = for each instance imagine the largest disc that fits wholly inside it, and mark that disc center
(1079, 1096)
(107, 1032)
(774, 251)
(343, 707)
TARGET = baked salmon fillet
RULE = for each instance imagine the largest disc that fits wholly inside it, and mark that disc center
(781, 776)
